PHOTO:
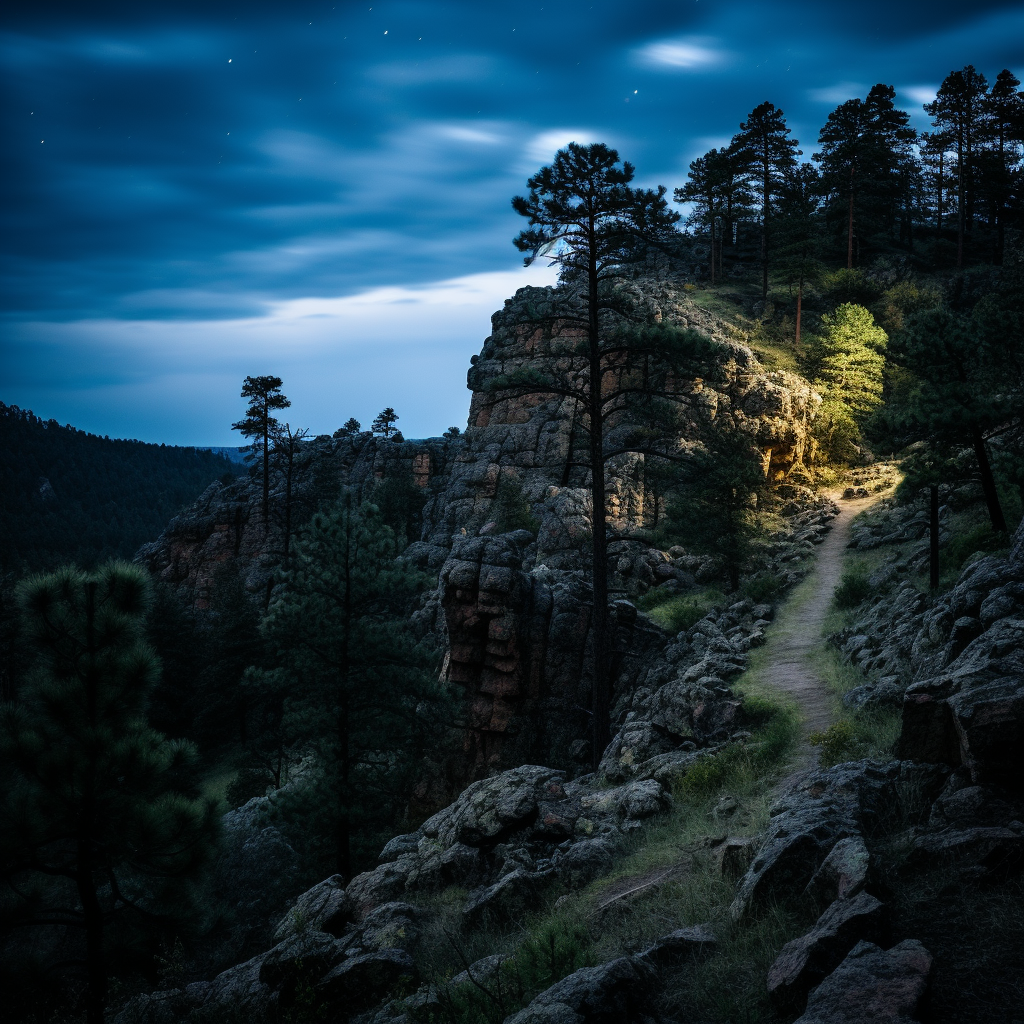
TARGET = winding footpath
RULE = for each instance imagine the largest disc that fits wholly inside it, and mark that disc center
(797, 632)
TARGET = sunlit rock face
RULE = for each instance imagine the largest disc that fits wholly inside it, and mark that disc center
(511, 612)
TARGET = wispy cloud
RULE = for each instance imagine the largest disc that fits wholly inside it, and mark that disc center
(688, 54)
(920, 94)
(838, 93)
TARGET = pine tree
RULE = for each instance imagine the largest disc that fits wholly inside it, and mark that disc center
(94, 821)
(1005, 109)
(960, 111)
(350, 427)
(384, 424)
(264, 394)
(716, 509)
(962, 384)
(865, 149)
(768, 155)
(359, 690)
(708, 178)
(853, 358)
(585, 217)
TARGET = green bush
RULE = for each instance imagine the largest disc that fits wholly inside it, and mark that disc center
(511, 508)
(765, 587)
(838, 743)
(854, 587)
(678, 613)
(849, 286)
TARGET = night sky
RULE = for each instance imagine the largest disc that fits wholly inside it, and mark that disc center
(193, 192)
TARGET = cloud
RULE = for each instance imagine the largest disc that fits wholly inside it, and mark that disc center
(542, 148)
(468, 67)
(920, 94)
(408, 347)
(682, 55)
(839, 93)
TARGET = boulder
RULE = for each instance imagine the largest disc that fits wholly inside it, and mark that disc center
(488, 811)
(391, 926)
(323, 908)
(994, 851)
(856, 798)
(509, 898)
(614, 993)
(583, 862)
(842, 874)
(305, 957)
(805, 962)
(872, 986)
(361, 982)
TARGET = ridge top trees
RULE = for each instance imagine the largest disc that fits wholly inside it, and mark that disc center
(259, 423)
(763, 147)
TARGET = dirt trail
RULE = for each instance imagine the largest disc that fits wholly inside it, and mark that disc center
(797, 631)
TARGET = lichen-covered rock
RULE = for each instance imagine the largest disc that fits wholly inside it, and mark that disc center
(491, 809)
(849, 800)
(842, 874)
(584, 861)
(872, 985)
(323, 908)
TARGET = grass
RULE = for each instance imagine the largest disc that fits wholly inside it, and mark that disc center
(586, 926)
(674, 614)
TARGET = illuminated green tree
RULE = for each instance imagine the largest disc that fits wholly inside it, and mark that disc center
(853, 358)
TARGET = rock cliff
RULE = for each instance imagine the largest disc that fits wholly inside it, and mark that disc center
(511, 609)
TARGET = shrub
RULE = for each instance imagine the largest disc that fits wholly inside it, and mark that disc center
(838, 743)
(681, 612)
(854, 587)
(765, 587)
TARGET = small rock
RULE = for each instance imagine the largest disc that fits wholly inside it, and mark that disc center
(507, 899)
(679, 945)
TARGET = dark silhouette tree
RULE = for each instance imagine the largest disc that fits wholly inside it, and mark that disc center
(960, 391)
(710, 176)
(1005, 108)
(96, 814)
(959, 111)
(358, 688)
(350, 427)
(384, 423)
(264, 394)
(287, 446)
(586, 218)
(715, 510)
(865, 147)
(798, 246)
(767, 154)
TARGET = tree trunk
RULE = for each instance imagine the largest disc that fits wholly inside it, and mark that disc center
(764, 223)
(266, 460)
(933, 528)
(941, 155)
(959, 204)
(92, 912)
(600, 695)
(988, 483)
(849, 228)
(712, 251)
(799, 310)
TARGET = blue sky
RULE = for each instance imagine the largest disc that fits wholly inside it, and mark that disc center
(193, 192)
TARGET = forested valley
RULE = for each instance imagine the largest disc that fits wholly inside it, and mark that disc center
(491, 726)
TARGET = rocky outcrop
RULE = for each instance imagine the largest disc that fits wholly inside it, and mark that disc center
(850, 801)
(872, 984)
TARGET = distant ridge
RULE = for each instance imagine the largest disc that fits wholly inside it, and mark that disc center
(234, 454)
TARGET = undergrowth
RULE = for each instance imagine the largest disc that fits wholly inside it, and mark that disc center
(680, 612)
